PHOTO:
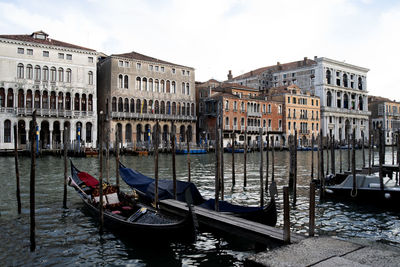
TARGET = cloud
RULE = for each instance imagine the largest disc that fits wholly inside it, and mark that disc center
(217, 36)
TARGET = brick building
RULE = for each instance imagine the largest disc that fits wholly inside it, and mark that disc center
(137, 91)
(242, 108)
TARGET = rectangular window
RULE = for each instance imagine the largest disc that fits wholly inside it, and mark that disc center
(188, 73)
(61, 55)
(29, 51)
(69, 57)
(183, 72)
(173, 71)
(162, 69)
(20, 50)
(120, 63)
(288, 99)
(126, 64)
(138, 66)
(46, 53)
(156, 68)
(90, 59)
(150, 67)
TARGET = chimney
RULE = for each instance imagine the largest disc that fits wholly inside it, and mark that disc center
(251, 73)
(315, 57)
(305, 61)
(230, 77)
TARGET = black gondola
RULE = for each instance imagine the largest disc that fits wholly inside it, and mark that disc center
(124, 214)
(144, 187)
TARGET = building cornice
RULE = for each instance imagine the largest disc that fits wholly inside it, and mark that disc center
(341, 63)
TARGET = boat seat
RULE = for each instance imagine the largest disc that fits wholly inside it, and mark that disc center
(137, 214)
(109, 199)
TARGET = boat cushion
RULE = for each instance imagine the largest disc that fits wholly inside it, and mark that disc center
(88, 179)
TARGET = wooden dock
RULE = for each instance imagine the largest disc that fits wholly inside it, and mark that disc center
(254, 231)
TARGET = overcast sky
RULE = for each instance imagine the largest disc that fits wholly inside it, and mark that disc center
(215, 36)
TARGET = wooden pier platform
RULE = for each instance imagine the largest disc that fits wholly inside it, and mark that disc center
(328, 251)
(230, 224)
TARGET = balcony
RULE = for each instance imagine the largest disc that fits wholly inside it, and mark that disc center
(227, 127)
(345, 110)
(150, 116)
(253, 113)
(44, 112)
(303, 131)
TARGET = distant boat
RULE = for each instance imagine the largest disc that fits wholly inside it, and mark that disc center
(122, 213)
(306, 148)
(144, 187)
(90, 152)
(192, 151)
(237, 150)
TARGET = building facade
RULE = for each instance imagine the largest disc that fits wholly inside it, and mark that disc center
(301, 113)
(342, 89)
(136, 91)
(241, 109)
(384, 113)
(56, 79)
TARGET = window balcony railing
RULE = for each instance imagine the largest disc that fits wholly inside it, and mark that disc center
(45, 112)
(253, 114)
(151, 116)
(227, 127)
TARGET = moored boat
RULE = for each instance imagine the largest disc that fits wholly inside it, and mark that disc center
(124, 214)
(144, 187)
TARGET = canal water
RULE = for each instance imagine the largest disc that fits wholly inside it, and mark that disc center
(69, 237)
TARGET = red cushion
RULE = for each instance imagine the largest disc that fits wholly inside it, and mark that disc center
(126, 208)
(116, 212)
(88, 179)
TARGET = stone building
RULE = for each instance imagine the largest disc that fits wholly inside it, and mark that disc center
(137, 90)
(243, 109)
(384, 113)
(342, 88)
(301, 112)
(56, 79)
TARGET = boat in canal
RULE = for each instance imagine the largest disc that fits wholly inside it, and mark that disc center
(191, 151)
(144, 187)
(367, 189)
(124, 214)
(237, 150)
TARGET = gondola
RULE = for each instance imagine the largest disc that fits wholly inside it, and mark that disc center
(237, 150)
(122, 213)
(367, 189)
(144, 187)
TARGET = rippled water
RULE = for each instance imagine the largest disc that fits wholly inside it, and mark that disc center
(70, 237)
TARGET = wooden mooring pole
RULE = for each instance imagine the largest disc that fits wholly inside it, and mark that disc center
(340, 157)
(348, 152)
(221, 155)
(217, 168)
(65, 168)
(188, 136)
(363, 149)
(173, 157)
(327, 153)
(17, 169)
(392, 149)
(286, 215)
(295, 168)
(321, 164)
(381, 156)
(261, 168)
(312, 157)
(117, 142)
(156, 136)
(370, 147)
(233, 159)
(353, 163)
(333, 167)
(311, 224)
(267, 165)
(101, 135)
(273, 160)
(245, 159)
(107, 130)
(32, 183)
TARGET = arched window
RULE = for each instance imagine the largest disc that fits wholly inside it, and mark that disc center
(53, 99)
(329, 99)
(60, 74)
(2, 98)
(45, 73)
(173, 88)
(10, 98)
(29, 99)
(120, 105)
(179, 109)
(120, 81)
(162, 89)
(187, 109)
(157, 107)
(60, 101)
(88, 132)
(183, 88)
(157, 88)
(151, 107)
(7, 131)
(144, 106)
(144, 84)
(345, 101)
(90, 78)
(20, 71)
(90, 103)
(360, 83)
(173, 108)
(126, 105)
(83, 102)
(114, 104)
(21, 98)
(53, 74)
(128, 133)
(69, 75)
(192, 109)
(187, 89)
(76, 102)
(37, 73)
(328, 77)
(138, 106)
(345, 80)
(168, 107)
(126, 82)
(68, 101)
(138, 133)
(132, 105)
(162, 107)
(269, 108)
(183, 109)
(45, 100)
(168, 87)
(29, 71)
(138, 83)
(151, 89)
(360, 103)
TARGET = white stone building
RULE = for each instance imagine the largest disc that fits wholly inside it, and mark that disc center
(342, 88)
(56, 79)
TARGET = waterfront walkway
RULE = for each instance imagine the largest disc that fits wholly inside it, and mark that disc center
(328, 251)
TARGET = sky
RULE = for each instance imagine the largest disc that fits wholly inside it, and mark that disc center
(215, 36)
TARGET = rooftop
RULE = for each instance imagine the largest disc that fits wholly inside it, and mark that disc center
(138, 56)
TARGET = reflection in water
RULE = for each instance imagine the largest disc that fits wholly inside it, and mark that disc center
(69, 237)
